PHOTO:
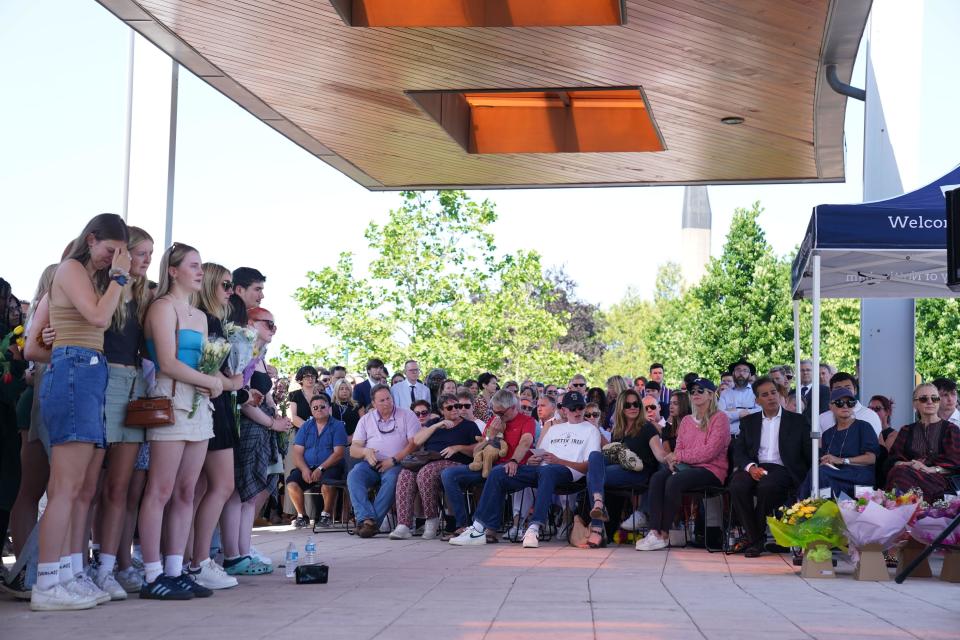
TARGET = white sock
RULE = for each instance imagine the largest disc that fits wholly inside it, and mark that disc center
(478, 526)
(152, 570)
(76, 561)
(48, 575)
(65, 569)
(534, 526)
(107, 563)
(324, 513)
(173, 566)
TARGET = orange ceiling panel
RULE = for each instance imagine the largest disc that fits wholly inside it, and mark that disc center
(480, 13)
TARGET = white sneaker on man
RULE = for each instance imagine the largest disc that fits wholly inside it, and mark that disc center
(109, 584)
(651, 542)
(130, 579)
(635, 521)
(430, 528)
(59, 598)
(531, 538)
(469, 537)
(402, 532)
(259, 556)
(212, 576)
(84, 586)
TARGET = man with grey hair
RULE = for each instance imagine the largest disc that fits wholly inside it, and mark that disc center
(409, 390)
(578, 383)
(507, 422)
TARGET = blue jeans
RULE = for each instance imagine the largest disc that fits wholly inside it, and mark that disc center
(361, 478)
(545, 478)
(600, 475)
(455, 481)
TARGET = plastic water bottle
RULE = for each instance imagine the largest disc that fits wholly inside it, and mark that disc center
(310, 552)
(291, 560)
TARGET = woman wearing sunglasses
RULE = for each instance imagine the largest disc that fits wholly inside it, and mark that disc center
(454, 438)
(848, 450)
(927, 452)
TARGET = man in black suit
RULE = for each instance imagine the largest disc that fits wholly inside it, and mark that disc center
(771, 457)
(807, 387)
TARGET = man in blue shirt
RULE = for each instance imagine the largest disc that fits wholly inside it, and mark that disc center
(317, 458)
(740, 400)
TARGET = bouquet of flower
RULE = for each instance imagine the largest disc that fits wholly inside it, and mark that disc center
(877, 517)
(211, 359)
(16, 337)
(810, 521)
(933, 519)
(242, 347)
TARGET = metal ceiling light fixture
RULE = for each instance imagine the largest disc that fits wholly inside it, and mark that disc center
(732, 120)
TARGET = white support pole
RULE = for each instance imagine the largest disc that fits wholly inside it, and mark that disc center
(171, 153)
(815, 395)
(129, 129)
(796, 353)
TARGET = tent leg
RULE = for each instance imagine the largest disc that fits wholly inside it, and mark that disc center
(815, 394)
(796, 353)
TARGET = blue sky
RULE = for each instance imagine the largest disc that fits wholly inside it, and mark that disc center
(247, 196)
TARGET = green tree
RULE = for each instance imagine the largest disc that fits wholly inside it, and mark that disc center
(626, 327)
(938, 351)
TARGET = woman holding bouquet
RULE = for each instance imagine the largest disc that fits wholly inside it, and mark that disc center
(700, 460)
(82, 300)
(927, 452)
(216, 479)
(256, 456)
(848, 450)
(175, 332)
(122, 343)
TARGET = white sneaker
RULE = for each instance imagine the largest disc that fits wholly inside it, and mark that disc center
(531, 538)
(651, 542)
(402, 532)
(84, 586)
(130, 579)
(430, 528)
(259, 556)
(469, 537)
(634, 522)
(109, 584)
(59, 598)
(212, 576)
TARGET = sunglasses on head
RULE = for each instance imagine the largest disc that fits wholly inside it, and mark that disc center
(420, 414)
(592, 414)
(927, 399)
(849, 403)
(227, 285)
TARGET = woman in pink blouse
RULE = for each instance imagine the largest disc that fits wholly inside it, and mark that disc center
(699, 461)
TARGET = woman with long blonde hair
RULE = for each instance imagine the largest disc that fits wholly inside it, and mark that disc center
(83, 297)
(700, 460)
(175, 332)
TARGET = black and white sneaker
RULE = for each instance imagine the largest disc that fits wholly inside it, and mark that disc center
(301, 522)
(16, 585)
(165, 588)
(187, 581)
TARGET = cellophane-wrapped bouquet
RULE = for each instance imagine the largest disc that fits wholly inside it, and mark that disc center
(211, 359)
(242, 347)
(877, 517)
(807, 522)
(932, 519)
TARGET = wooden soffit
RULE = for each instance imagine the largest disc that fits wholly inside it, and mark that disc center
(346, 93)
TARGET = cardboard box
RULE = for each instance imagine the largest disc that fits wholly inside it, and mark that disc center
(910, 551)
(811, 569)
(871, 565)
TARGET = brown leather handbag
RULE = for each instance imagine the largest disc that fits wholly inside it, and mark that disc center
(147, 413)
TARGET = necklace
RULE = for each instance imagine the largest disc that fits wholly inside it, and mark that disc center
(839, 454)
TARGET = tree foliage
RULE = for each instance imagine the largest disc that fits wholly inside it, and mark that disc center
(437, 292)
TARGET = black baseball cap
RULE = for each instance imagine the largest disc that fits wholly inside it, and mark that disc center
(572, 399)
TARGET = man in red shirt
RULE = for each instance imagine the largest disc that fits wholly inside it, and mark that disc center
(508, 423)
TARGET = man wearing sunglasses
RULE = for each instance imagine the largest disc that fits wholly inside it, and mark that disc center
(578, 383)
(382, 438)
(772, 458)
(843, 380)
(517, 429)
(563, 459)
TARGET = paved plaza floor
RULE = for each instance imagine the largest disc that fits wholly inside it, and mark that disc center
(429, 590)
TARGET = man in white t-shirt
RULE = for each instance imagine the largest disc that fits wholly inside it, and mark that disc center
(561, 459)
(844, 380)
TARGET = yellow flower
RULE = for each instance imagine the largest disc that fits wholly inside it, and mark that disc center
(18, 331)
(21, 342)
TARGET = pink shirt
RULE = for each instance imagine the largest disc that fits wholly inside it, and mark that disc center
(389, 436)
(707, 450)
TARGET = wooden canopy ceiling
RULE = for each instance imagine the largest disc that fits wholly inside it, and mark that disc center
(346, 93)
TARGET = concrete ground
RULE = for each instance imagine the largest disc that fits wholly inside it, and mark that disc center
(387, 589)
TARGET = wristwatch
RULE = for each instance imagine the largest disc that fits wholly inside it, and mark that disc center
(846, 461)
(321, 468)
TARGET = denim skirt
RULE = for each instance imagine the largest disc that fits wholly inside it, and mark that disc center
(72, 396)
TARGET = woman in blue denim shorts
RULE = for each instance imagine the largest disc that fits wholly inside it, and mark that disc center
(83, 298)
(175, 332)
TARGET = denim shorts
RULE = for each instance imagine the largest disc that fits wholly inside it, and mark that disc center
(72, 396)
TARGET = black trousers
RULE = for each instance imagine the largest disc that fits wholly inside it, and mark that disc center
(666, 492)
(772, 491)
